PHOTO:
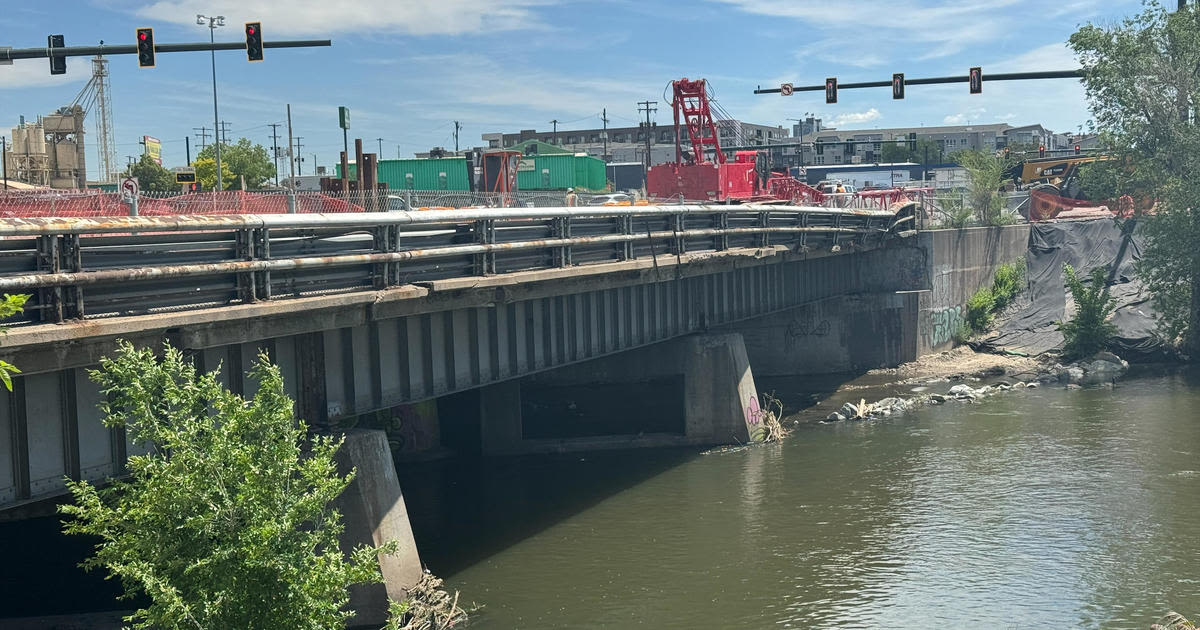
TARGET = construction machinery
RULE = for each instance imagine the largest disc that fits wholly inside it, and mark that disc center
(1055, 175)
(704, 172)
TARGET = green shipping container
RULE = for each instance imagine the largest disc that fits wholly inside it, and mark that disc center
(560, 171)
(421, 174)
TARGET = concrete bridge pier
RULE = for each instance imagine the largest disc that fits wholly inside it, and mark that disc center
(374, 513)
(693, 390)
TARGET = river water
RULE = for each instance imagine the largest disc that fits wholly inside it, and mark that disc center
(1043, 508)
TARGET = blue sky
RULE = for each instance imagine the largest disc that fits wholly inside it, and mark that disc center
(408, 68)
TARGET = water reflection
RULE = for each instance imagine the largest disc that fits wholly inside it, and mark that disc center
(1047, 508)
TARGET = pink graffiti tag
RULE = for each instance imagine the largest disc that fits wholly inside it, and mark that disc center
(753, 412)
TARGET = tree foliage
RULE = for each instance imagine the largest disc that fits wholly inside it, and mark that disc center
(1089, 331)
(1142, 78)
(11, 305)
(243, 159)
(152, 177)
(986, 175)
(206, 173)
(226, 523)
(926, 152)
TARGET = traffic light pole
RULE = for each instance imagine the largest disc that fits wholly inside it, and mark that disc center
(9, 54)
(1004, 76)
(212, 29)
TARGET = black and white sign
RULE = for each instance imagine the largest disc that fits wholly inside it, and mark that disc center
(785, 89)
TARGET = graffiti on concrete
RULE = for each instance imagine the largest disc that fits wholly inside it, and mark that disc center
(754, 420)
(800, 327)
(941, 325)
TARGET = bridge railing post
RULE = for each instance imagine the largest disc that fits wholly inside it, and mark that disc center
(679, 242)
(625, 249)
(802, 236)
(722, 240)
(562, 229)
(485, 234)
(49, 260)
(262, 251)
(244, 250)
(764, 222)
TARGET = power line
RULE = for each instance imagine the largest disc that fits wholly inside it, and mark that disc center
(275, 148)
(202, 133)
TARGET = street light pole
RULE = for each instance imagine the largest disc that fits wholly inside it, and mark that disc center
(213, 23)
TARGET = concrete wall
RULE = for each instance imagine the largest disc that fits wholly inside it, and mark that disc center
(960, 263)
(912, 299)
(720, 402)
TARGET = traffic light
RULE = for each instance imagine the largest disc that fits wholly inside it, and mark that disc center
(831, 90)
(254, 43)
(898, 86)
(1077, 149)
(58, 65)
(145, 47)
(975, 79)
(1042, 151)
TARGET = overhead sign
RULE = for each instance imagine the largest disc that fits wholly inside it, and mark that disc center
(785, 89)
(184, 174)
(153, 148)
(344, 117)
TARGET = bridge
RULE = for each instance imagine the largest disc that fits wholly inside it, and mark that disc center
(364, 312)
(371, 315)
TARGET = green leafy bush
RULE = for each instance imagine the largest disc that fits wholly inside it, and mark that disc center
(1089, 331)
(227, 522)
(1007, 283)
(980, 310)
(9, 306)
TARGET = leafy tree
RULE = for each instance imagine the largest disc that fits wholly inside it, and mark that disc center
(206, 173)
(893, 152)
(152, 177)
(927, 152)
(11, 305)
(1142, 78)
(243, 159)
(227, 522)
(986, 174)
(1089, 331)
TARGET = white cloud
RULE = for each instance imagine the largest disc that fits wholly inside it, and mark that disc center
(327, 17)
(27, 73)
(856, 118)
(955, 119)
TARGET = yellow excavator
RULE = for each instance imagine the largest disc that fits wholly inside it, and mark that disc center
(1057, 175)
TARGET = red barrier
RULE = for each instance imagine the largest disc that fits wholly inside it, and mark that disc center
(94, 203)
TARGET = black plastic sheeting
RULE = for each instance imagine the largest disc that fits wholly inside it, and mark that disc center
(1029, 324)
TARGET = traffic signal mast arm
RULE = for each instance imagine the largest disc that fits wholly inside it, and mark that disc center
(999, 76)
(8, 54)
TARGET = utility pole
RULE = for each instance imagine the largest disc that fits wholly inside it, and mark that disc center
(397, 152)
(289, 151)
(275, 149)
(187, 147)
(213, 23)
(380, 141)
(299, 156)
(202, 133)
(4, 159)
(604, 134)
(224, 137)
(555, 123)
(457, 126)
(647, 107)
(314, 166)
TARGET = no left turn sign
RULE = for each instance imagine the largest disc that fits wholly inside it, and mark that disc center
(785, 89)
(129, 186)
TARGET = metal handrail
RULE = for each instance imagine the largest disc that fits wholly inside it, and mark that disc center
(38, 226)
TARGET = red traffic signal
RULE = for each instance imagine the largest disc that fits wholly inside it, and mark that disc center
(145, 47)
(1042, 151)
(898, 86)
(975, 80)
(1077, 149)
(254, 42)
(831, 90)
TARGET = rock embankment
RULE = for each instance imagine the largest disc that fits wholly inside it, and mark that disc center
(1103, 368)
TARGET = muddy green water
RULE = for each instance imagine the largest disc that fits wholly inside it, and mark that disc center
(1040, 509)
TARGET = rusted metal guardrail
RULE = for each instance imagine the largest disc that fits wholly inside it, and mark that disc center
(92, 267)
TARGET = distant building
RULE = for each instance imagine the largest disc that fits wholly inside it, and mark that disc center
(823, 146)
(628, 144)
